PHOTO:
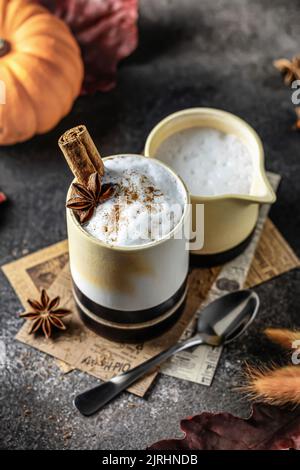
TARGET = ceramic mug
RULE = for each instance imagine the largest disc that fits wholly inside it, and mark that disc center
(129, 293)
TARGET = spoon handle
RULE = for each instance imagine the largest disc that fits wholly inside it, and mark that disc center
(94, 399)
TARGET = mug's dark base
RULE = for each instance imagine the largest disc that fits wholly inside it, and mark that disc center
(128, 335)
(208, 261)
(130, 325)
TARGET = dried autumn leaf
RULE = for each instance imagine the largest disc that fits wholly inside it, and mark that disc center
(2, 197)
(268, 428)
(106, 32)
(290, 69)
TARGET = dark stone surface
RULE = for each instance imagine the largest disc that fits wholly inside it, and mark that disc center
(192, 53)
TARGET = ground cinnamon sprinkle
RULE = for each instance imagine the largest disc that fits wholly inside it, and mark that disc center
(117, 213)
(129, 193)
(113, 222)
(143, 201)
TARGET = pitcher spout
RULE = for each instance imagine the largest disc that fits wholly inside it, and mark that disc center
(262, 191)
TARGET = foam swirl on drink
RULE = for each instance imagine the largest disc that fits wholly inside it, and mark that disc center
(146, 207)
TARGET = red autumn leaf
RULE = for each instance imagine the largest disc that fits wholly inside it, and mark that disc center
(268, 428)
(106, 32)
(2, 197)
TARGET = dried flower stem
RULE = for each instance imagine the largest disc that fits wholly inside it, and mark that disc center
(276, 386)
(283, 337)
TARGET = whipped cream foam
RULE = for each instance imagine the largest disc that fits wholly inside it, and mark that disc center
(147, 205)
(210, 162)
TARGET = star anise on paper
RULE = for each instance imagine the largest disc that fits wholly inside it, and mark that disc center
(290, 69)
(45, 314)
(88, 197)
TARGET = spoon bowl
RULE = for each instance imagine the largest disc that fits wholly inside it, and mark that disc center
(227, 317)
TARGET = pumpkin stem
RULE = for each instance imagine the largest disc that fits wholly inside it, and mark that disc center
(4, 47)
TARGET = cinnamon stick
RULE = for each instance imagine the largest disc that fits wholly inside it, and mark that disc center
(81, 153)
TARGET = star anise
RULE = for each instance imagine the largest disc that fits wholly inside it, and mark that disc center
(88, 197)
(45, 314)
(290, 69)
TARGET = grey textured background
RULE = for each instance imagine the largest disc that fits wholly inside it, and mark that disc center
(192, 53)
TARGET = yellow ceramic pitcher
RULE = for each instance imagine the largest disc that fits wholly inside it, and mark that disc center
(228, 219)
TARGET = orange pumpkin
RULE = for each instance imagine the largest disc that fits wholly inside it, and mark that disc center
(41, 70)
